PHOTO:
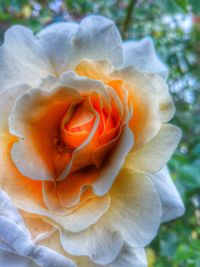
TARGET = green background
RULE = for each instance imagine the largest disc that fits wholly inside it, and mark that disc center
(175, 29)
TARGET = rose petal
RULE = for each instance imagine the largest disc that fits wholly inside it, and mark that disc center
(98, 70)
(37, 228)
(128, 257)
(156, 153)
(146, 121)
(10, 259)
(25, 193)
(142, 55)
(35, 118)
(7, 101)
(22, 58)
(112, 167)
(166, 104)
(95, 38)
(19, 240)
(8, 210)
(134, 216)
(82, 217)
(172, 204)
(58, 35)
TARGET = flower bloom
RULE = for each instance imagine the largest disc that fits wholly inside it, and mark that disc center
(84, 142)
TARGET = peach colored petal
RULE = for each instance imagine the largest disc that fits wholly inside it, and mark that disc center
(26, 194)
(36, 117)
(37, 227)
(146, 121)
(71, 189)
(98, 70)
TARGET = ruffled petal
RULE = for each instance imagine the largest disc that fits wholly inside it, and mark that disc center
(94, 38)
(112, 167)
(166, 104)
(19, 241)
(35, 119)
(26, 194)
(10, 259)
(145, 122)
(58, 35)
(156, 153)
(172, 204)
(142, 55)
(128, 257)
(7, 101)
(134, 217)
(82, 217)
(22, 58)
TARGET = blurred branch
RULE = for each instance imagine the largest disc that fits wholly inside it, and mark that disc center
(128, 17)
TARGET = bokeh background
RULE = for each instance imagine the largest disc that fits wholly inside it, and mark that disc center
(175, 28)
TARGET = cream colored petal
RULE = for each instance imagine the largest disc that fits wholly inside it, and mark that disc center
(81, 218)
(35, 119)
(166, 105)
(7, 101)
(99, 243)
(58, 35)
(142, 55)
(23, 59)
(172, 204)
(95, 38)
(146, 121)
(128, 257)
(156, 153)
(134, 217)
(113, 165)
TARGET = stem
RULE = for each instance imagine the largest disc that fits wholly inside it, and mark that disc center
(128, 17)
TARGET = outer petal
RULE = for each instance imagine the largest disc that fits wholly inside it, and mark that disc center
(22, 58)
(10, 259)
(156, 153)
(172, 204)
(19, 241)
(7, 100)
(95, 38)
(134, 217)
(142, 55)
(59, 35)
(128, 257)
(166, 105)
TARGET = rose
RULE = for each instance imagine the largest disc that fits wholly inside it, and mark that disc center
(85, 142)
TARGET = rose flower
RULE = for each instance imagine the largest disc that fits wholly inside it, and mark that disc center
(84, 142)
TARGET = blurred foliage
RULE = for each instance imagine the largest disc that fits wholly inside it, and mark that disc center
(175, 28)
